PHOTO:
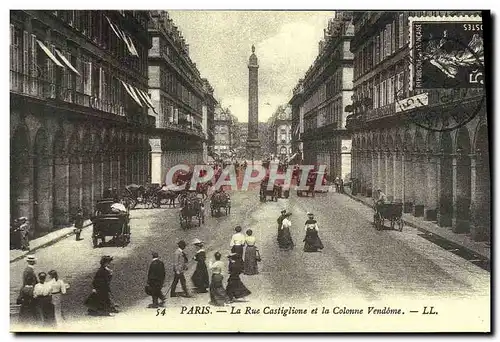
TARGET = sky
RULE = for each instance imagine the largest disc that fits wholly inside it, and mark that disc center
(220, 43)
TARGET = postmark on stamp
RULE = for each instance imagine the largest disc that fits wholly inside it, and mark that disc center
(446, 72)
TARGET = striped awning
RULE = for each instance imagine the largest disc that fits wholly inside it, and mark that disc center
(48, 53)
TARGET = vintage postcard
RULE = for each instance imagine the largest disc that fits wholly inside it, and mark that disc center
(250, 171)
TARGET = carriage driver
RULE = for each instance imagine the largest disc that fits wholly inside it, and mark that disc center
(381, 197)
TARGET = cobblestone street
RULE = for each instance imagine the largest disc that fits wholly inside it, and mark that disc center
(358, 263)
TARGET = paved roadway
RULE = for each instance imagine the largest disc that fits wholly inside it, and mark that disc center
(358, 264)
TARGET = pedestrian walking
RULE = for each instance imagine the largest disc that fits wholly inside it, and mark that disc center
(15, 236)
(312, 242)
(42, 293)
(27, 310)
(280, 220)
(217, 263)
(78, 223)
(99, 302)
(235, 287)
(57, 288)
(24, 230)
(200, 276)
(252, 255)
(180, 266)
(237, 242)
(29, 275)
(286, 242)
(156, 279)
(218, 295)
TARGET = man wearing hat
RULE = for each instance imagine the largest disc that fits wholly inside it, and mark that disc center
(180, 266)
(29, 272)
(156, 278)
(78, 223)
(280, 221)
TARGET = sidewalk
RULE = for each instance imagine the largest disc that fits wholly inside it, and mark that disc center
(481, 248)
(44, 241)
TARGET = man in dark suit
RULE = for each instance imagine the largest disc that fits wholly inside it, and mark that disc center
(29, 275)
(180, 266)
(156, 278)
(280, 221)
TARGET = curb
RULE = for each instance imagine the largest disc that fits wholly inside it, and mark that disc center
(411, 224)
(49, 243)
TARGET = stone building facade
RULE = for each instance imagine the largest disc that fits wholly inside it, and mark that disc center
(224, 133)
(441, 175)
(319, 101)
(178, 93)
(280, 126)
(78, 99)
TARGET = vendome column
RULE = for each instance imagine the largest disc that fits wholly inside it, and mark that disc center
(253, 143)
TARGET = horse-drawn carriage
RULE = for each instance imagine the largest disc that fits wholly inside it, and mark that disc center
(138, 194)
(218, 201)
(110, 222)
(191, 206)
(264, 191)
(310, 187)
(393, 212)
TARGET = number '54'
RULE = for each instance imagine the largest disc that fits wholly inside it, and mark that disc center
(160, 312)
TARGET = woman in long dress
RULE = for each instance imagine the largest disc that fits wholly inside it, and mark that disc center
(58, 288)
(250, 264)
(99, 302)
(218, 295)
(200, 276)
(286, 241)
(235, 287)
(312, 242)
(27, 310)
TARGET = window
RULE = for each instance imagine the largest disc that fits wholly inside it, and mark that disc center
(376, 96)
(401, 39)
(16, 58)
(387, 45)
(377, 49)
(393, 37)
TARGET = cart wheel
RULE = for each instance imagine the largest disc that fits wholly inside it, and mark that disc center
(400, 224)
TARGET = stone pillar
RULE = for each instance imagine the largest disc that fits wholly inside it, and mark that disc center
(253, 143)
(461, 193)
(397, 177)
(43, 199)
(87, 185)
(115, 171)
(389, 175)
(97, 179)
(61, 191)
(431, 189)
(156, 161)
(445, 174)
(480, 193)
(409, 180)
(369, 173)
(419, 181)
(75, 184)
(375, 180)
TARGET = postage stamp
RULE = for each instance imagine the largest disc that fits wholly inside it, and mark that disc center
(446, 52)
(446, 72)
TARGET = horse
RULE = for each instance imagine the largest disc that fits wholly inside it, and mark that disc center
(202, 188)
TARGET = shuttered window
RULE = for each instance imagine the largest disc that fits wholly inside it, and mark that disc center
(401, 39)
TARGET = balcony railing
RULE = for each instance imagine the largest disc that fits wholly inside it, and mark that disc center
(46, 90)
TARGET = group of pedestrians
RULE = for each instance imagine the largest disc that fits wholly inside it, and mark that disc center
(40, 298)
(312, 241)
(207, 279)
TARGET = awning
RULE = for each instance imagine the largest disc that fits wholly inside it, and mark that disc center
(123, 36)
(131, 92)
(146, 97)
(65, 60)
(48, 53)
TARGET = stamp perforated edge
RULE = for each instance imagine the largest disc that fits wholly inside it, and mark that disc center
(411, 20)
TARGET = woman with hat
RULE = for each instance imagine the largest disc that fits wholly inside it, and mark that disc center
(218, 295)
(286, 242)
(312, 242)
(200, 276)
(237, 241)
(99, 302)
(280, 221)
(235, 287)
